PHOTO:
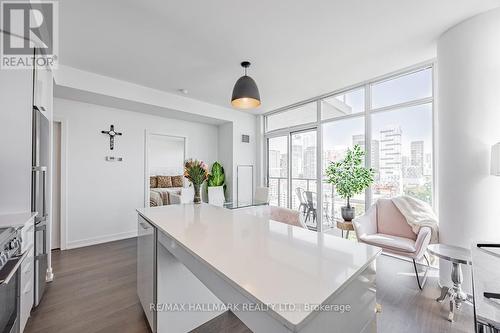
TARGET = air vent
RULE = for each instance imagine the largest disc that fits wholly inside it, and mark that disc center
(245, 138)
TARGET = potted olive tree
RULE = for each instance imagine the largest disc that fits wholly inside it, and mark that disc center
(349, 177)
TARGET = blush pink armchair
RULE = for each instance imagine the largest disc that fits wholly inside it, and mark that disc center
(384, 226)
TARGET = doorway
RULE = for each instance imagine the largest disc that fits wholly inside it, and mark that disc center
(164, 157)
(56, 186)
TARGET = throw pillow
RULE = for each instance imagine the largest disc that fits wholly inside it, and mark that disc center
(177, 181)
(153, 182)
(164, 181)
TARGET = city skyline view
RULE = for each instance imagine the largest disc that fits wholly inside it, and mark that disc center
(400, 141)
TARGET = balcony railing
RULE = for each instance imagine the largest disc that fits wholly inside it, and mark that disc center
(278, 194)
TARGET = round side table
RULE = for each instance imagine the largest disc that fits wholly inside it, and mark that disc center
(345, 226)
(458, 256)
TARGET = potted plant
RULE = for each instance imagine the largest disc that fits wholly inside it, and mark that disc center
(196, 172)
(349, 177)
(216, 176)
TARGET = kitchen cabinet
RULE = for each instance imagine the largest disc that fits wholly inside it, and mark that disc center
(27, 274)
(16, 88)
(146, 269)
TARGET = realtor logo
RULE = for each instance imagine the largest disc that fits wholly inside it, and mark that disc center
(27, 26)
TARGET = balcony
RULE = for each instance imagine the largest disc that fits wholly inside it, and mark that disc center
(278, 194)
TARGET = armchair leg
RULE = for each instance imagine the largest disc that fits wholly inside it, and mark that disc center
(421, 282)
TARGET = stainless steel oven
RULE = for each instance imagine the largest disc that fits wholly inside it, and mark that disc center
(11, 259)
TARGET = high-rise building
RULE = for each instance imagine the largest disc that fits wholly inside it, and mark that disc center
(274, 163)
(390, 155)
(283, 165)
(359, 139)
(428, 165)
(417, 157)
(376, 157)
(297, 161)
(310, 162)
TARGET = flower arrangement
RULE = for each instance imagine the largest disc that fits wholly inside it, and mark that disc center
(197, 173)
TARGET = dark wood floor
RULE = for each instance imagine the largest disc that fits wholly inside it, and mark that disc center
(94, 290)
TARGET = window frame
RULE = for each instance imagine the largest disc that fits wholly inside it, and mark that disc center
(367, 114)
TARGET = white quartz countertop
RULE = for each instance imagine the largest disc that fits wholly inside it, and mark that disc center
(15, 220)
(268, 261)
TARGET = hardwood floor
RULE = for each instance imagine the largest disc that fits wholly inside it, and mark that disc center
(94, 290)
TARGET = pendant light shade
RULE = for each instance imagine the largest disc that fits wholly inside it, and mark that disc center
(245, 92)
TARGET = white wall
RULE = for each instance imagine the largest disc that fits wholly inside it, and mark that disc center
(225, 153)
(165, 155)
(468, 125)
(102, 196)
(82, 84)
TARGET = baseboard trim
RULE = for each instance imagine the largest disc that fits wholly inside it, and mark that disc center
(101, 239)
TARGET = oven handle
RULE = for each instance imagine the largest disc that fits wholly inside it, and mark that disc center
(14, 263)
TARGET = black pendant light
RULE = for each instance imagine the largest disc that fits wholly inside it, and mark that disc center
(245, 92)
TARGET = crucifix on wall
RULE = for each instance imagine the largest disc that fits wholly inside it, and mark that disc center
(112, 133)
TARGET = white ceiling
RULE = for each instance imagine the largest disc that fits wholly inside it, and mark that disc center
(299, 49)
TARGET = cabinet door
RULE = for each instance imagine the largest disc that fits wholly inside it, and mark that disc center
(16, 87)
(146, 269)
(27, 291)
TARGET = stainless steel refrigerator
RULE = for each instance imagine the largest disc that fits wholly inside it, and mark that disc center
(39, 200)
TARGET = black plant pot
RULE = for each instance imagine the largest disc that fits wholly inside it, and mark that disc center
(347, 213)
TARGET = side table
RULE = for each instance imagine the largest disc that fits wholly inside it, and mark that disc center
(457, 256)
(347, 226)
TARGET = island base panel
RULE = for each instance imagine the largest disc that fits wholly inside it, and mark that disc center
(178, 287)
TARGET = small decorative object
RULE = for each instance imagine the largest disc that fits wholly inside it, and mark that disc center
(245, 92)
(113, 159)
(196, 172)
(349, 177)
(216, 176)
(112, 133)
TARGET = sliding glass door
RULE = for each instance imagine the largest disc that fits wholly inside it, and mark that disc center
(292, 171)
(277, 170)
(303, 163)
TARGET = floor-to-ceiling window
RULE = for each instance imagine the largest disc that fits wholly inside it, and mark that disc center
(338, 136)
(391, 118)
(401, 128)
(277, 156)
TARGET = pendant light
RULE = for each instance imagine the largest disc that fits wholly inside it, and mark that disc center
(245, 92)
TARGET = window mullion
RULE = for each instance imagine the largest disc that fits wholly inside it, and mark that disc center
(368, 141)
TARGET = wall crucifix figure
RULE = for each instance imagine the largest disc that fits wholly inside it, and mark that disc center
(112, 133)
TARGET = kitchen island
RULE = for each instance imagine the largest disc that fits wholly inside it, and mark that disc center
(197, 261)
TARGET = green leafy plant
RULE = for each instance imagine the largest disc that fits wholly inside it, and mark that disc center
(216, 176)
(349, 176)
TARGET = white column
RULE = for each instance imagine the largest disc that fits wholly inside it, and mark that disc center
(468, 125)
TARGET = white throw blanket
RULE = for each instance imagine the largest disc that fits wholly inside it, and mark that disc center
(418, 214)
